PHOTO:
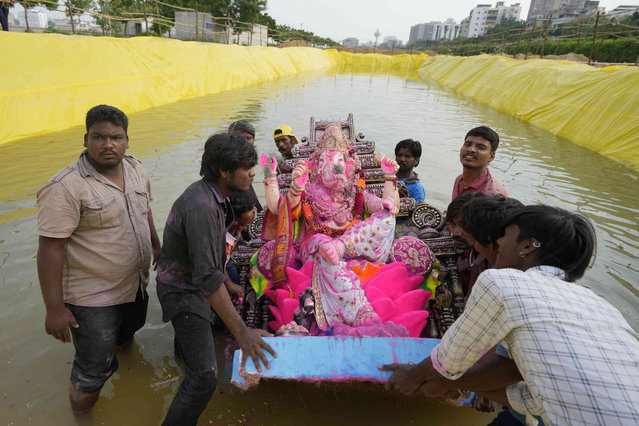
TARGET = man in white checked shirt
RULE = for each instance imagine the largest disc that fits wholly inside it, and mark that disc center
(578, 357)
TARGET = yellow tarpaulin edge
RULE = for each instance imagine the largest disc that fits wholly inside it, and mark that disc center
(595, 108)
(49, 81)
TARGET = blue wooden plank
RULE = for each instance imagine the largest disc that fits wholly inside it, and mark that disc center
(335, 358)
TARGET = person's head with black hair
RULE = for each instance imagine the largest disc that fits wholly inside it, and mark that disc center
(462, 239)
(407, 154)
(545, 235)
(479, 148)
(228, 162)
(106, 113)
(482, 218)
(487, 133)
(106, 139)
(243, 205)
(244, 129)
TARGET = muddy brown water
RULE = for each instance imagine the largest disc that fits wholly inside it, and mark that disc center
(534, 166)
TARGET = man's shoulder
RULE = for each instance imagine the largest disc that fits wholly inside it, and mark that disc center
(501, 279)
(493, 186)
(68, 178)
(135, 164)
(196, 195)
(70, 172)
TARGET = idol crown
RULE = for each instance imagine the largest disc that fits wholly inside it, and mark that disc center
(334, 139)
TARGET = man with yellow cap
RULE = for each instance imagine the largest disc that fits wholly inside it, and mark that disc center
(284, 140)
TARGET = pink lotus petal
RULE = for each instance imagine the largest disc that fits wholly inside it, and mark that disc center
(412, 301)
(390, 266)
(385, 308)
(301, 287)
(392, 283)
(414, 281)
(373, 293)
(414, 321)
(307, 269)
(276, 313)
(287, 309)
(297, 280)
(270, 294)
(281, 295)
(275, 325)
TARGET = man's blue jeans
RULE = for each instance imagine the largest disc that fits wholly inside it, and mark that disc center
(194, 337)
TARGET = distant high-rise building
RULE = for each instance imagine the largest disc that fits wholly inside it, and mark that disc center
(390, 42)
(350, 42)
(433, 31)
(37, 18)
(483, 17)
(561, 11)
(624, 10)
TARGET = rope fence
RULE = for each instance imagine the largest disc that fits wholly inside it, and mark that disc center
(156, 22)
(609, 41)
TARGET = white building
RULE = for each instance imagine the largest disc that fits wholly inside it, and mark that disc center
(350, 42)
(37, 18)
(561, 11)
(433, 31)
(483, 17)
(624, 10)
(210, 28)
(390, 42)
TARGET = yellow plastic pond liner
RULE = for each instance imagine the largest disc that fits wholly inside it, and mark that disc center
(58, 78)
(595, 108)
(52, 80)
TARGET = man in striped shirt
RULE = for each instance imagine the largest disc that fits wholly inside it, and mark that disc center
(577, 356)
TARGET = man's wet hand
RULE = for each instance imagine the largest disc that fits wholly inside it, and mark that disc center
(438, 389)
(235, 291)
(404, 379)
(57, 323)
(253, 346)
(157, 254)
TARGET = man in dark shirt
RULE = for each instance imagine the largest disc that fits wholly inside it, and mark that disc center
(246, 130)
(191, 275)
(470, 263)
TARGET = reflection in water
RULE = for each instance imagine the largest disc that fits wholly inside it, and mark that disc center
(533, 165)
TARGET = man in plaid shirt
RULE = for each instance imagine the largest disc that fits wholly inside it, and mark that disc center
(577, 356)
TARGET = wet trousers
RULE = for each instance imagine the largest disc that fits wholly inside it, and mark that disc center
(194, 338)
(101, 329)
(4, 18)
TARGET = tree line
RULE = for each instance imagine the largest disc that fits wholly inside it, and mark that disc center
(113, 16)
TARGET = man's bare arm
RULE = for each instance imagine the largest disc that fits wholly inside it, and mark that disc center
(50, 263)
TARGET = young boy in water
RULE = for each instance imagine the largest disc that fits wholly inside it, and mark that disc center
(243, 206)
(407, 154)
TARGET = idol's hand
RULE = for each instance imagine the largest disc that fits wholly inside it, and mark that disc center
(269, 167)
(299, 176)
(389, 203)
(389, 167)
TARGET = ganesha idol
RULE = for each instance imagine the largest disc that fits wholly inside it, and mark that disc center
(331, 245)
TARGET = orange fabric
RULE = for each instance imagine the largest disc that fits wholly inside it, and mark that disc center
(369, 271)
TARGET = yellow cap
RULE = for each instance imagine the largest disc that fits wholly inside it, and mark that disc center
(284, 130)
